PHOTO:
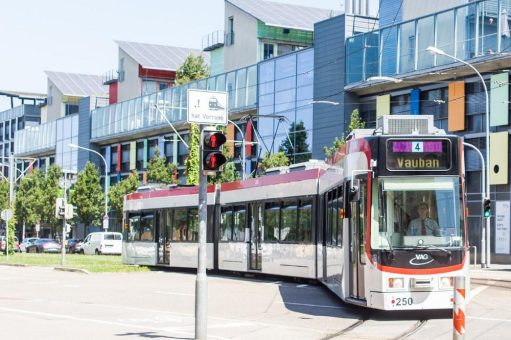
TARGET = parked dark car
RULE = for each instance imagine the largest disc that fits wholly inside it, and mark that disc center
(74, 246)
(16, 244)
(44, 245)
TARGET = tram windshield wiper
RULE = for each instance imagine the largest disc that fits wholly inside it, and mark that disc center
(431, 246)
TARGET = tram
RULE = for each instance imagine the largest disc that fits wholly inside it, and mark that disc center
(382, 226)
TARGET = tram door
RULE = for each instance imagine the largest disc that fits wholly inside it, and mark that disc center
(164, 233)
(254, 241)
(357, 243)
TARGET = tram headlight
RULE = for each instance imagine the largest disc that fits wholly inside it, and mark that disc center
(446, 282)
(396, 282)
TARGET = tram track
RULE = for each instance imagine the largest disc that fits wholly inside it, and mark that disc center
(415, 328)
(343, 331)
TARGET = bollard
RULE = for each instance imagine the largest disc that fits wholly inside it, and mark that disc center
(458, 310)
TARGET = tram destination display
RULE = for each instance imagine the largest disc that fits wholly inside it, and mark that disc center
(418, 155)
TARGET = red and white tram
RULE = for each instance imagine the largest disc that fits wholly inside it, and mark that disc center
(384, 227)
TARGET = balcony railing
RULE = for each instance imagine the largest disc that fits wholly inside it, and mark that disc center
(213, 41)
(473, 30)
(110, 76)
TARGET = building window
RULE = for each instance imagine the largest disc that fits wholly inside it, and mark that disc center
(121, 69)
(140, 156)
(71, 109)
(268, 51)
(125, 157)
(229, 39)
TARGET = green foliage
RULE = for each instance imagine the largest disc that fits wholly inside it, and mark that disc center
(30, 201)
(193, 68)
(159, 171)
(12, 230)
(51, 190)
(88, 196)
(4, 194)
(272, 161)
(299, 152)
(355, 123)
(192, 160)
(228, 174)
(124, 187)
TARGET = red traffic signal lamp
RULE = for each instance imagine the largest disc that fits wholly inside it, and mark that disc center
(212, 156)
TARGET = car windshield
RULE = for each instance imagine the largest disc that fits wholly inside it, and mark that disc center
(417, 212)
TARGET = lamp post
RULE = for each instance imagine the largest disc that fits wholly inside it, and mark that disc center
(384, 78)
(242, 148)
(436, 51)
(105, 217)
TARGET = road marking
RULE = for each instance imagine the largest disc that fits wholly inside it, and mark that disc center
(488, 319)
(302, 286)
(172, 293)
(310, 305)
(113, 323)
(477, 290)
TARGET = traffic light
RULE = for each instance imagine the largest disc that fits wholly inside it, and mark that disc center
(487, 208)
(212, 156)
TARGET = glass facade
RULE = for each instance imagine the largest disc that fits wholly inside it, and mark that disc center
(476, 29)
(285, 92)
(36, 138)
(67, 133)
(146, 112)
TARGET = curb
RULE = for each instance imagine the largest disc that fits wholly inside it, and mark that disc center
(491, 282)
(75, 270)
(13, 264)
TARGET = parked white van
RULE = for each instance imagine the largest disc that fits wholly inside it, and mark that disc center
(102, 243)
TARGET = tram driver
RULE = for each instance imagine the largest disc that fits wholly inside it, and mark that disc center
(423, 225)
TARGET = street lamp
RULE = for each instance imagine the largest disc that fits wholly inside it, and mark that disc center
(436, 51)
(105, 218)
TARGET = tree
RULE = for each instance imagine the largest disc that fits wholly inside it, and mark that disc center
(272, 161)
(87, 196)
(355, 123)
(51, 190)
(4, 194)
(193, 68)
(228, 174)
(158, 170)
(121, 189)
(299, 152)
(192, 160)
(30, 201)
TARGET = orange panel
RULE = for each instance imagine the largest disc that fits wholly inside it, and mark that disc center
(456, 106)
(229, 133)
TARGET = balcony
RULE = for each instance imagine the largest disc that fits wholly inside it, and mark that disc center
(213, 41)
(110, 77)
(475, 31)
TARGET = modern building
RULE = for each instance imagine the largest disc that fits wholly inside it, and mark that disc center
(354, 60)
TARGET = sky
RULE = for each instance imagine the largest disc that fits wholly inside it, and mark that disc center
(78, 36)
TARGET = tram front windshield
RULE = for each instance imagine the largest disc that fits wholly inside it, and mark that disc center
(417, 212)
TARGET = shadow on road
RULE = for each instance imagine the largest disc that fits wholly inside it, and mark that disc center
(150, 335)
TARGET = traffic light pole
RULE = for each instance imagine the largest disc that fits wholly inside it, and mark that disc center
(201, 283)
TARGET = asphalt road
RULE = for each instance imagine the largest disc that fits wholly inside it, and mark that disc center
(40, 303)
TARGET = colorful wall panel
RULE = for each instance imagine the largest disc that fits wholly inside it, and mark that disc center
(499, 99)
(499, 157)
(382, 105)
(415, 101)
(456, 106)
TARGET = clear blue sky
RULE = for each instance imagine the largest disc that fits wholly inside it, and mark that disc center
(77, 35)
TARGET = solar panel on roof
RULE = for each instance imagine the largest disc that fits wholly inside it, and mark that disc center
(80, 85)
(284, 15)
(159, 57)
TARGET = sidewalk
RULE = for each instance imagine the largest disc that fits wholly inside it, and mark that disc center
(496, 275)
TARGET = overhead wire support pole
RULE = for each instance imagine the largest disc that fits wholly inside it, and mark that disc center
(171, 125)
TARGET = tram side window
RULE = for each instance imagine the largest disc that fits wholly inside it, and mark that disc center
(305, 221)
(226, 224)
(289, 218)
(180, 226)
(146, 230)
(193, 225)
(271, 221)
(333, 219)
(240, 223)
(130, 229)
(338, 215)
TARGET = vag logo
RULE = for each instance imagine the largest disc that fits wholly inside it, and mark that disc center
(421, 260)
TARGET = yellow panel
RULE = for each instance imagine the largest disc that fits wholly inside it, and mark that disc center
(499, 157)
(382, 105)
(456, 106)
(229, 133)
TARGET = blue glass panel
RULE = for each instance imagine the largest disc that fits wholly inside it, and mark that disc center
(372, 54)
(388, 43)
(414, 101)
(445, 36)
(465, 31)
(354, 62)
(426, 38)
(407, 47)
